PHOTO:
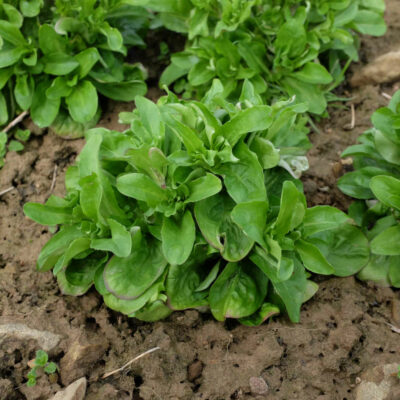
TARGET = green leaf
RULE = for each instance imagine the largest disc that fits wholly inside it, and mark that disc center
(244, 180)
(369, 23)
(203, 187)
(90, 197)
(322, 218)
(292, 209)
(209, 279)
(388, 149)
(152, 312)
(41, 358)
(313, 73)
(184, 280)
(51, 42)
(238, 292)
(43, 110)
(83, 102)
(387, 190)
(150, 115)
(77, 278)
(307, 93)
(141, 187)
(291, 292)
(120, 243)
(356, 184)
(23, 91)
(22, 135)
(217, 227)
(201, 73)
(186, 135)
(132, 306)
(56, 246)
(252, 219)
(13, 15)
(11, 56)
(11, 33)
(50, 368)
(377, 269)
(59, 88)
(266, 311)
(171, 74)
(3, 111)
(87, 59)
(387, 243)
(267, 154)
(5, 74)
(127, 278)
(257, 118)
(14, 145)
(113, 36)
(178, 237)
(75, 249)
(122, 91)
(47, 215)
(31, 382)
(59, 64)
(344, 247)
(30, 8)
(394, 271)
(313, 259)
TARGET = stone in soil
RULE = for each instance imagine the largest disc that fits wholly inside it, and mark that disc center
(258, 386)
(385, 68)
(79, 359)
(75, 391)
(45, 340)
(378, 383)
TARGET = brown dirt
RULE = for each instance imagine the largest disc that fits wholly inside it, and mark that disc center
(343, 330)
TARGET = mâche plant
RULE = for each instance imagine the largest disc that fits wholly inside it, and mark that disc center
(56, 58)
(196, 206)
(285, 48)
(376, 182)
(40, 363)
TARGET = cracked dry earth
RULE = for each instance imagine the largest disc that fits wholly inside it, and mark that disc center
(343, 339)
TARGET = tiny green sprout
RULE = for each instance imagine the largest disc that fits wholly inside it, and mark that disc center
(40, 362)
(22, 135)
(398, 371)
(14, 145)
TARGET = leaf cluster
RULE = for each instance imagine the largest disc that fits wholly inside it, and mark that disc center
(376, 182)
(41, 362)
(191, 208)
(55, 58)
(290, 47)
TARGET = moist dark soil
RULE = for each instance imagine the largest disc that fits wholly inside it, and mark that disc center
(343, 332)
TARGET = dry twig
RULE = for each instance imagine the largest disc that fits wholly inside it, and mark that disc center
(387, 96)
(53, 182)
(393, 328)
(106, 375)
(352, 124)
(353, 117)
(7, 190)
(15, 121)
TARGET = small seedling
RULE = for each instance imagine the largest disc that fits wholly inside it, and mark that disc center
(398, 371)
(40, 362)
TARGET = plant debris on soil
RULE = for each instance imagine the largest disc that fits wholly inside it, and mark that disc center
(344, 330)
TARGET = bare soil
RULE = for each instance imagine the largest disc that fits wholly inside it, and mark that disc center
(343, 331)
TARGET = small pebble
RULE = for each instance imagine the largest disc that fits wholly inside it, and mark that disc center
(258, 385)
